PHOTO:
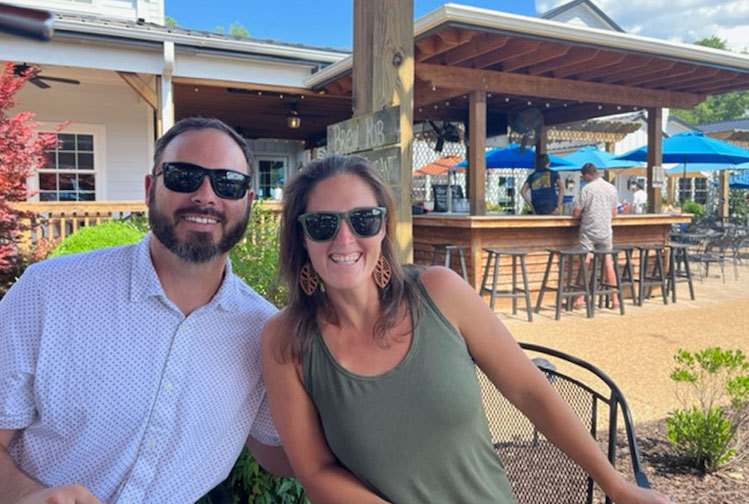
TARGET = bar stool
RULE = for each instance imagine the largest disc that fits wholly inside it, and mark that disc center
(677, 254)
(515, 292)
(657, 277)
(599, 283)
(567, 289)
(447, 249)
(627, 275)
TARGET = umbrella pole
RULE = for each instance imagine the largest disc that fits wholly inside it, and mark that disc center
(681, 192)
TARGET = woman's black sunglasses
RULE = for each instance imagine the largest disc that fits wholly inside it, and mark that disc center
(187, 177)
(364, 222)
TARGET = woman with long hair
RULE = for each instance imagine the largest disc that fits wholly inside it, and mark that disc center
(370, 369)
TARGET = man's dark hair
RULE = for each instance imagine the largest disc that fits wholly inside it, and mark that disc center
(589, 169)
(198, 123)
(543, 161)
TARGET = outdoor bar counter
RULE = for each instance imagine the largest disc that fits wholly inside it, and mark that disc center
(534, 233)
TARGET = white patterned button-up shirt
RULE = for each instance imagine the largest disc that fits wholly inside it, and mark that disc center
(112, 387)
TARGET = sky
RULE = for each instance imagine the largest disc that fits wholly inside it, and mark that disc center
(328, 23)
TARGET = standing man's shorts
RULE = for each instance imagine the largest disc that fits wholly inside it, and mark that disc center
(595, 243)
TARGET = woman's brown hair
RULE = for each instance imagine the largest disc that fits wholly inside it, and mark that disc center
(300, 315)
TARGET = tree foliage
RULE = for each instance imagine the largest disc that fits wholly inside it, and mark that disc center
(170, 21)
(22, 151)
(716, 107)
(236, 29)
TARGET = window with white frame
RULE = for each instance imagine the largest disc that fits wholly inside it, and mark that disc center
(700, 190)
(70, 174)
(685, 188)
(271, 174)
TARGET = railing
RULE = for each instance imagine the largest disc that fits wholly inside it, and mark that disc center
(54, 220)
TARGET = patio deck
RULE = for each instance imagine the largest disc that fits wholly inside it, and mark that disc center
(636, 350)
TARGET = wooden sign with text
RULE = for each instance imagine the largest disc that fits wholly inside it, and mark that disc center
(367, 132)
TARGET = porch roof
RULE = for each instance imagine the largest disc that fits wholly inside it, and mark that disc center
(570, 72)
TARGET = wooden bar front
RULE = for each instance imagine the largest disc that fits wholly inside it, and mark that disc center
(528, 232)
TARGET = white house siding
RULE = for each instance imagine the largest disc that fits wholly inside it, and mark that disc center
(150, 10)
(125, 119)
(188, 63)
(580, 16)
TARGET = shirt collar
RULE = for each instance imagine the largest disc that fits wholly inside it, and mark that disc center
(144, 282)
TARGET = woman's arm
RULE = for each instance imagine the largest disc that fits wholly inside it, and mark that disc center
(325, 481)
(503, 361)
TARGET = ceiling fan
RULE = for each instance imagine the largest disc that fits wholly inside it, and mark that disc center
(448, 133)
(37, 79)
(527, 122)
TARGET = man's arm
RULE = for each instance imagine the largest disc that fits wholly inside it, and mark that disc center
(524, 194)
(272, 458)
(16, 487)
(560, 197)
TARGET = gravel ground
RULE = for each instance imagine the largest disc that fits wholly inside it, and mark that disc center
(636, 350)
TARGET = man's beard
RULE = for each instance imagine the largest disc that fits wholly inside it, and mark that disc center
(199, 247)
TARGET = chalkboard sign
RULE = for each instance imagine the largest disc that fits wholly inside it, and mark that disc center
(440, 196)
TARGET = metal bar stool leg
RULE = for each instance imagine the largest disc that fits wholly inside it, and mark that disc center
(494, 281)
(463, 264)
(588, 300)
(643, 276)
(525, 287)
(618, 281)
(662, 276)
(688, 273)
(514, 285)
(543, 282)
(631, 273)
(560, 287)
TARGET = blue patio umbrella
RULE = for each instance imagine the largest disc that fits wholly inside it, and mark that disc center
(693, 147)
(511, 157)
(600, 159)
(740, 180)
(695, 169)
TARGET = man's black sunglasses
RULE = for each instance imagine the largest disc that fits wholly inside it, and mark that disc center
(364, 222)
(187, 177)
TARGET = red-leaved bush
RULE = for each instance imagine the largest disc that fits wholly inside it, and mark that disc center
(21, 154)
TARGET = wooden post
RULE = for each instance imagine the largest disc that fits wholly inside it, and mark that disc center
(670, 189)
(383, 75)
(477, 153)
(724, 195)
(655, 156)
(608, 174)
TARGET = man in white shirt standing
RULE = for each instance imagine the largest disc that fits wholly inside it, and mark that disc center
(132, 374)
(639, 199)
(595, 205)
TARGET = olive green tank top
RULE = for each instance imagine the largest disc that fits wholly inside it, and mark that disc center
(416, 433)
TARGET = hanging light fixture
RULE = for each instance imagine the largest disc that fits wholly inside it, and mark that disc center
(292, 119)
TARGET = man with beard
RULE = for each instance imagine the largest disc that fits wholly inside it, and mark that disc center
(132, 374)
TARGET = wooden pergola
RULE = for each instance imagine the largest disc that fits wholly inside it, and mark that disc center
(482, 67)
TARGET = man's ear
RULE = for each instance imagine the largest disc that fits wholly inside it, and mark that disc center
(148, 184)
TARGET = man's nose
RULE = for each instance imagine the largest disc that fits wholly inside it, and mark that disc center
(204, 194)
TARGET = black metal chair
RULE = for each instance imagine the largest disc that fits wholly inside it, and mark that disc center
(538, 471)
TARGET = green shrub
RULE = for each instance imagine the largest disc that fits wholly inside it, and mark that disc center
(694, 208)
(255, 258)
(737, 205)
(708, 434)
(106, 234)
